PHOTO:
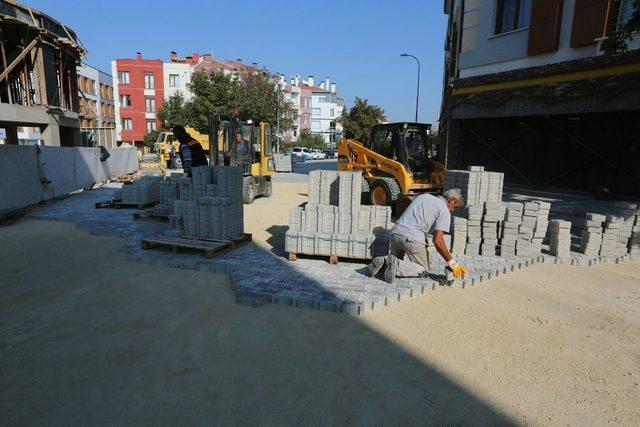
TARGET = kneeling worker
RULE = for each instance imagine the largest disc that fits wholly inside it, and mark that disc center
(427, 214)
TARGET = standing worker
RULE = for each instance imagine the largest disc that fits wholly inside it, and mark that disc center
(425, 215)
(191, 152)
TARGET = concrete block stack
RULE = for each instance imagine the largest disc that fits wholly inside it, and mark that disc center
(169, 193)
(542, 224)
(609, 245)
(458, 235)
(334, 222)
(592, 234)
(282, 163)
(627, 211)
(210, 205)
(634, 241)
(560, 238)
(142, 192)
(533, 228)
(474, 229)
(509, 229)
(477, 186)
(493, 214)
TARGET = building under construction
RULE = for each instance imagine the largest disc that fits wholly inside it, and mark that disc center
(532, 91)
(38, 77)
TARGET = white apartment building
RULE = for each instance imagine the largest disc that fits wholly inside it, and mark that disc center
(326, 109)
(176, 78)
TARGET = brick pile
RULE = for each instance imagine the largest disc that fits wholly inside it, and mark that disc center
(560, 238)
(592, 234)
(627, 211)
(142, 192)
(493, 214)
(210, 204)
(334, 223)
(169, 193)
(509, 228)
(634, 241)
(612, 226)
(477, 186)
(458, 235)
(474, 229)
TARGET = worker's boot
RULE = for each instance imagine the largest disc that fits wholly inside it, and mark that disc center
(374, 268)
(390, 268)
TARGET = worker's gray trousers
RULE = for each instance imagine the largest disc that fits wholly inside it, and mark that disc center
(417, 257)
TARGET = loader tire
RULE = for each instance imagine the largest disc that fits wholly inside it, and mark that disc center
(248, 190)
(384, 192)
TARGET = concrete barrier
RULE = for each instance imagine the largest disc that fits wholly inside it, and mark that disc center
(29, 175)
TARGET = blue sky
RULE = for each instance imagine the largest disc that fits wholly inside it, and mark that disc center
(357, 43)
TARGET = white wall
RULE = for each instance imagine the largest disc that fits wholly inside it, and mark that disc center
(184, 71)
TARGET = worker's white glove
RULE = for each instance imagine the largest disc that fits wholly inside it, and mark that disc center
(457, 269)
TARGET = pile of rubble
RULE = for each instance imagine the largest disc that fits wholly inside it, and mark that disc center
(333, 222)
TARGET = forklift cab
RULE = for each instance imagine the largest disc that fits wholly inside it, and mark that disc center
(245, 142)
(406, 143)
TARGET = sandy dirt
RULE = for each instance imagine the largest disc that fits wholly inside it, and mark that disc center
(86, 337)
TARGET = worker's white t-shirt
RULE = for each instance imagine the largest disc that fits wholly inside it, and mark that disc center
(424, 215)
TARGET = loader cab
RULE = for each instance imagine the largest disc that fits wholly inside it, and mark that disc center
(406, 143)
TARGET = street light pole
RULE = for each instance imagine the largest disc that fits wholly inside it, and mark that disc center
(418, 90)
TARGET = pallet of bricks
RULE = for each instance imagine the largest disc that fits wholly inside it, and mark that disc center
(333, 223)
(612, 236)
(143, 192)
(282, 163)
(209, 213)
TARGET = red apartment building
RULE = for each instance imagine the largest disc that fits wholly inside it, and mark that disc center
(138, 87)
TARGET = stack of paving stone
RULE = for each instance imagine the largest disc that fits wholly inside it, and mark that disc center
(169, 193)
(282, 163)
(612, 225)
(458, 235)
(474, 229)
(542, 224)
(142, 192)
(210, 205)
(334, 222)
(509, 229)
(477, 186)
(634, 241)
(627, 211)
(592, 234)
(560, 238)
(493, 213)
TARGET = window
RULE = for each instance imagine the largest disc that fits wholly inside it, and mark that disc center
(123, 77)
(127, 124)
(149, 81)
(125, 101)
(512, 15)
(315, 125)
(316, 111)
(150, 105)
(151, 126)
(332, 112)
(174, 80)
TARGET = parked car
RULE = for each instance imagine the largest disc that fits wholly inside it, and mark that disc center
(302, 153)
(317, 154)
(330, 154)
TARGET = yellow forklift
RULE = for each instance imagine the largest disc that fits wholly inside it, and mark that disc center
(244, 141)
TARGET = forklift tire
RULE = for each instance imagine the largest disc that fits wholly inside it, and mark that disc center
(384, 192)
(268, 189)
(248, 190)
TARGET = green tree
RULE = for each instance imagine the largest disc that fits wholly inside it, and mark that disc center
(310, 140)
(358, 121)
(151, 138)
(176, 111)
(257, 94)
(618, 41)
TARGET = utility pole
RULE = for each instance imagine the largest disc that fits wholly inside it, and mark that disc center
(418, 90)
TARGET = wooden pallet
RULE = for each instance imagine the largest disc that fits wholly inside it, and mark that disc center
(332, 259)
(210, 248)
(117, 204)
(149, 215)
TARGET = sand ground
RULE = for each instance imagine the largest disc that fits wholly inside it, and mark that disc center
(87, 337)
